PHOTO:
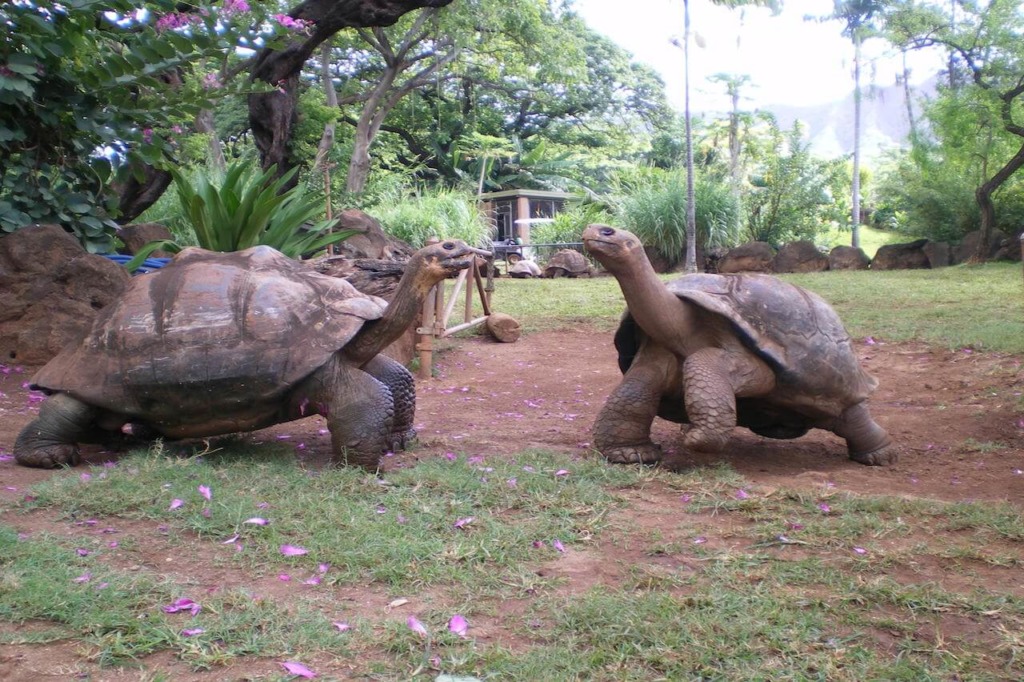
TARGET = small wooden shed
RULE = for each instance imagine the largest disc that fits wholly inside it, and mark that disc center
(511, 212)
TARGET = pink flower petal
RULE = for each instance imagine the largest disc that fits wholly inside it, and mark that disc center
(562, 472)
(742, 494)
(284, 577)
(323, 568)
(416, 626)
(557, 544)
(462, 523)
(825, 509)
(458, 625)
(230, 540)
(256, 520)
(292, 550)
(192, 632)
(176, 504)
(298, 669)
(84, 578)
(860, 550)
(312, 580)
(342, 627)
(205, 491)
(183, 604)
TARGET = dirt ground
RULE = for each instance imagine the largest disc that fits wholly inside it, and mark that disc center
(957, 414)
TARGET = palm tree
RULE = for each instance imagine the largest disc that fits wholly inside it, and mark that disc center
(691, 212)
(856, 15)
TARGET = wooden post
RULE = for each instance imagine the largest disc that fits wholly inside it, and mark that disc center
(426, 336)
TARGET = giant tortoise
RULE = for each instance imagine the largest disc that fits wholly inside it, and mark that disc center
(716, 351)
(218, 343)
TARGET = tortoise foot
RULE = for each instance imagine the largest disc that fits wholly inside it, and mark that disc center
(49, 457)
(880, 457)
(705, 440)
(400, 440)
(648, 453)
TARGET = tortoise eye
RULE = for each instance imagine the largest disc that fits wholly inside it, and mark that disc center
(607, 231)
(448, 246)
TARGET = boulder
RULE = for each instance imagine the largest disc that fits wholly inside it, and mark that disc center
(135, 236)
(799, 256)
(939, 254)
(371, 240)
(50, 290)
(749, 257)
(848, 258)
(909, 256)
(968, 246)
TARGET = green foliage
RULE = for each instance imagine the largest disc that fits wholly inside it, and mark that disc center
(569, 224)
(445, 214)
(920, 195)
(654, 208)
(793, 195)
(92, 90)
(249, 208)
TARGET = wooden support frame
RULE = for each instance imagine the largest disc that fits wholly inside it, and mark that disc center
(436, 314)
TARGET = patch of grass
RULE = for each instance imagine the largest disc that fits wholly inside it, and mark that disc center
(963, 306)
(780, 586)
(416, 527)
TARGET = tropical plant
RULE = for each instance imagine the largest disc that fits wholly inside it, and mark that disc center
(444, 214)
(656, 210)
(793, 195)
(246, 208)
(568, 224)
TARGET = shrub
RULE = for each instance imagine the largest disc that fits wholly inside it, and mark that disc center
(248, 208)
(654, 208)
(445, 214)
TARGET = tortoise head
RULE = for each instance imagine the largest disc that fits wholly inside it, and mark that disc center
(613, 247)
(435, 262)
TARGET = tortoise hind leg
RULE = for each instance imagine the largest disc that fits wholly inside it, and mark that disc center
(867, 442)
(50, 440)
(402, 385)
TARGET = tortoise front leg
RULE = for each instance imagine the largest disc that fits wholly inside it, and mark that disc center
(358, 409)
(51, 439)
(622, 432)
(402, 385)
(712, 378)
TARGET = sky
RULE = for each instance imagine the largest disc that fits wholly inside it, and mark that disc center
(788, 59)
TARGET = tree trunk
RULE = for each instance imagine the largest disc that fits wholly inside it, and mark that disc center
(136, 195)
(204, 124)
(983, 195)
(855, 222)
(691, 210)
(272, 115)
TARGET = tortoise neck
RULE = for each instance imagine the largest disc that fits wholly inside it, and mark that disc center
(402, 310)
(660, 313)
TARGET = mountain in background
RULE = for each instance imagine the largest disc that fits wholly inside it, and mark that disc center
(885, 125)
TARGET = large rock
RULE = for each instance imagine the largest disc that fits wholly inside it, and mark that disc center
(939, 254)
(848, 258)
(135, 236)
(967, 247)
(50, 290)
(371, 240)
(909, 256)
(749, 257)
(799, 256)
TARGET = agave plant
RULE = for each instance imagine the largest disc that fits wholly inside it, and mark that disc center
(249, 208)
